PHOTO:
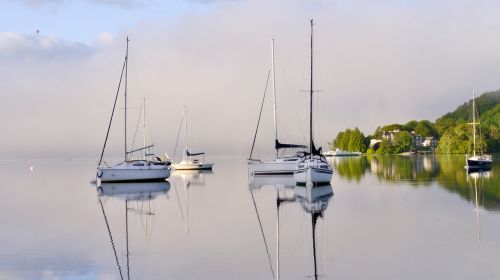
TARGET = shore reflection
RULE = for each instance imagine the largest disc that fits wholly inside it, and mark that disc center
(447, 171)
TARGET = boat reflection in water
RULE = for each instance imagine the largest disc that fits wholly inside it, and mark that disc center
(188, 179)
(129, 193)
(476, 179)
(191, 177)
(312, 199)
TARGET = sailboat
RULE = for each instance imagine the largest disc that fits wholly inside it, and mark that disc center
(153, 169)
(188, 162)
(280, 165)
(312, 167)
(478, 160)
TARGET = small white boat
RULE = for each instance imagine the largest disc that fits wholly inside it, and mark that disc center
(134, 170)
(340, 153)
(144, 169)
(312, 167)
(192, 165)
(478, 160)
(188, 162)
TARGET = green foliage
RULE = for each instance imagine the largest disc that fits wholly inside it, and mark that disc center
(350, 140)
(425, 128)
(392, 127)
(385, 148)
(403, 142)
(490, 126)
(410, 126)
(462, 114)
(458, 141)
(452, 127)
(457, 134)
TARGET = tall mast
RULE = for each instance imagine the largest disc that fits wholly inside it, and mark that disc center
(186, 131)
(125, 109)
(274, 94)
(311, 98)
(474, 122)
(144, 130)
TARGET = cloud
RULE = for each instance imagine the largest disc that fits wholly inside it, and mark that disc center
(38, 3)
(15, 46)
(377, 63)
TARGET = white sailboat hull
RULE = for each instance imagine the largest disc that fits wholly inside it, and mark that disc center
(280, 166)
(130, 172)
(313, 171)
(192, 166)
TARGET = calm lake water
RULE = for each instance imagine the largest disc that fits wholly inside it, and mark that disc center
(381, 218)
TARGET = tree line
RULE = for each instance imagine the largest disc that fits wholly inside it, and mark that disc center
(452, 130)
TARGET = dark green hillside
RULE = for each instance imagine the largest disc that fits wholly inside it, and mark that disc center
(451, 130)
(462, 114)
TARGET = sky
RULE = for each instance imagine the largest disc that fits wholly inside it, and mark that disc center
(376, 62)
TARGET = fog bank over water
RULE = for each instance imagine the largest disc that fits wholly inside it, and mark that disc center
(388, 62)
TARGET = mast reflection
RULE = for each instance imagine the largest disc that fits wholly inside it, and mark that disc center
(476, 179)
(313, 200)
(129, 192)
(188, 179)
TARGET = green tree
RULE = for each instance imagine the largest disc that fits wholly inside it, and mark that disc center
(385, 148)
(356, 141)
(457, 140)
(403, 142)
(410, 126)
(426, 129)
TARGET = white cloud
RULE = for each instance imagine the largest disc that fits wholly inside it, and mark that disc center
(378, 64)
(15, 46)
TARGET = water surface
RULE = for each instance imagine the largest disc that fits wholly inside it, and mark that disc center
(381, 218)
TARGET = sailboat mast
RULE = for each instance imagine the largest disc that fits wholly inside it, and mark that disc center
(274, 94)
(311, 98)
(125, 108)
(144, 130)
(186, 132)
(474, 122)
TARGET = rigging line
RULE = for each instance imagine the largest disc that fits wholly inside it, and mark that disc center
(260, 114)
(111, 239)
(136, 129)
(263, 235)
(179, 201)
(178, 134)
(112, 112)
